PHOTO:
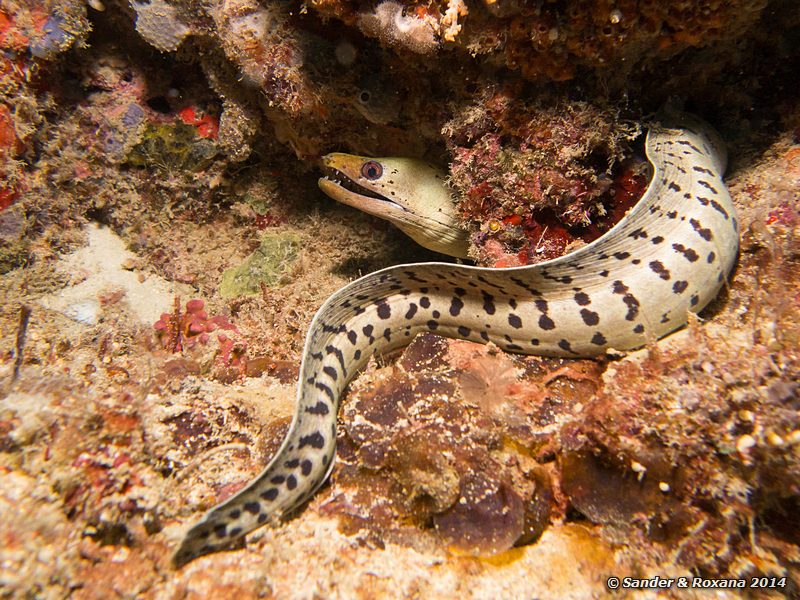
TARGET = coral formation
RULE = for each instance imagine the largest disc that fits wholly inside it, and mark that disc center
(159, 23)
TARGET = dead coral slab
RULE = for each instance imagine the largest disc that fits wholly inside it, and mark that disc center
(447, 439)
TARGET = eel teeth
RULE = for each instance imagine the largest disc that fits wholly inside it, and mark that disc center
(344, 182)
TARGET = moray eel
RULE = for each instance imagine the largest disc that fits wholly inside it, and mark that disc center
(667, 257)
(408, 192)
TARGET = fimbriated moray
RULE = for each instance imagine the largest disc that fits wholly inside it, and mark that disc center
(668, 256)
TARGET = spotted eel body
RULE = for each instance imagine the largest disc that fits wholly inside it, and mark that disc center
(669, 256)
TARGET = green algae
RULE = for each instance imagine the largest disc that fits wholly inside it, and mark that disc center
(267, 265)
(172, 147)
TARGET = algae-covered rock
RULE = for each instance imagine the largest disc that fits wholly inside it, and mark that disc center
(172, 146)
(266, 265)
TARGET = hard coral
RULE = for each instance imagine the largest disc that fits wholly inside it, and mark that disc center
(160, 24)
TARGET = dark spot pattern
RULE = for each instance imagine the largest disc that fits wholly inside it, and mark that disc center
(718, 207)
(315, 440)
(703, 232)
(688, 253)
(252, 507)
(456, 304)
(638, 233)
(320, 408)
(629, 299)
(488, 304)
(708, 186)
(546, 323)
(514, 321)
(659, 269)
(384, 310)
(325, 389)
(582, 299)
(337, 352)
(590, 317)
(269, 494)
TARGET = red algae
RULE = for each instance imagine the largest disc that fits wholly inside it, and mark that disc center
(528, 176)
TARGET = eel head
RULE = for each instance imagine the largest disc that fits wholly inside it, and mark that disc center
(405, 191)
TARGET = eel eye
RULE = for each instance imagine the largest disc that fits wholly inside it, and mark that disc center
(371, 170)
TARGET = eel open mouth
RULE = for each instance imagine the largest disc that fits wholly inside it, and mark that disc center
(341, 180)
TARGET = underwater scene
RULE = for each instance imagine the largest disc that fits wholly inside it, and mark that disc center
(399, 299)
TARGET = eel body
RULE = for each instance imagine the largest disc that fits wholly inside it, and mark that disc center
(669, 256)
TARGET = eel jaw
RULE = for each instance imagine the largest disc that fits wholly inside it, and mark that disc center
(342, 188)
